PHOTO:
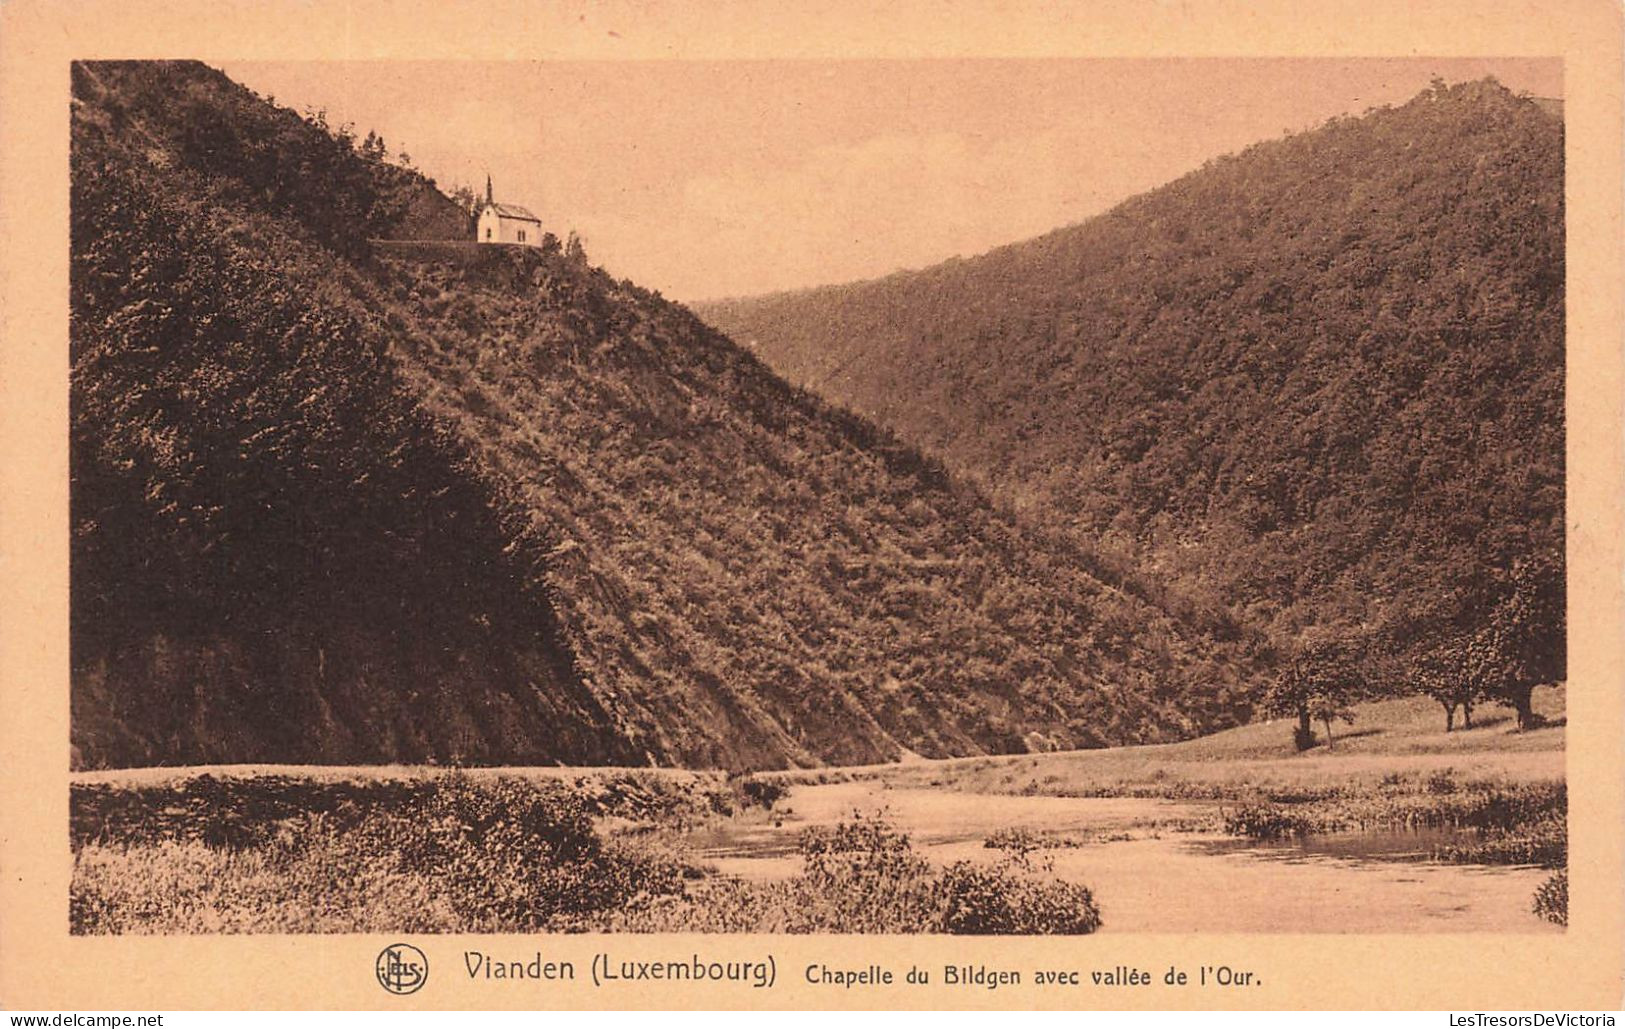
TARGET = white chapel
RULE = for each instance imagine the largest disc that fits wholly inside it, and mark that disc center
(507, 223)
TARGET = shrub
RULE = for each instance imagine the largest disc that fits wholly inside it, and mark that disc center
(1441, 783)
(1552, 899)
(1266, 822)
(1017, 841)
(863, 875)
(761, 791)
(1012, 898)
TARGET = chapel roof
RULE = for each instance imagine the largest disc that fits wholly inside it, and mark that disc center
(514, 211)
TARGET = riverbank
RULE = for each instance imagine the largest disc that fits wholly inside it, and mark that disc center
(1397, 827)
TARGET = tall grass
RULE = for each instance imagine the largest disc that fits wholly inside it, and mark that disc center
(455, 853)
(1504, 823)
(445, 854)
(1510, 823)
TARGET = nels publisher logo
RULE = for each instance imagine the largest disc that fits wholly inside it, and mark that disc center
(402, 968)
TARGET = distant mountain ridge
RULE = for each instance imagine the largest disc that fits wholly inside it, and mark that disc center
(339, 502)
(1317, 383)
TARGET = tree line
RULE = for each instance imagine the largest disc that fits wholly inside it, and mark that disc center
(1496, 645)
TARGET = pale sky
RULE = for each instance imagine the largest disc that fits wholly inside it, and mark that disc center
(714, 179)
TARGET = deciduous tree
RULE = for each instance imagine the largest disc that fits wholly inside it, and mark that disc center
(1318, 682)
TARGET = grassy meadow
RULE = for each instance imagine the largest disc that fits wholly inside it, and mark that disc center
(1403, 736)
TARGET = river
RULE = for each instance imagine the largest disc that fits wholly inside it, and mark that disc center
(1149, 875)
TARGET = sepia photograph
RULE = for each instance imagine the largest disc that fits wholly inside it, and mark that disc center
(943, 496)
(544, 506)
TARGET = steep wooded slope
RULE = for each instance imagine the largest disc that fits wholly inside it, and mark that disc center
(340, 502)
(1317, 382)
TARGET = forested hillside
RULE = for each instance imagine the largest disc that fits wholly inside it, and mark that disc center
(340, 502)
(1318, 383)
